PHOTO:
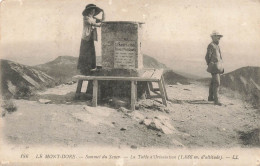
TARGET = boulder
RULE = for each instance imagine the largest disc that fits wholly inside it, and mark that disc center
(159, 124)
(44, 101)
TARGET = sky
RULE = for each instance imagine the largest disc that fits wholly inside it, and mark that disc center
(176, 32)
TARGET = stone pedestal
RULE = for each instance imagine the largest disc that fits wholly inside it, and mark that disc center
(121, 45)
(121, 56)
(119, 89)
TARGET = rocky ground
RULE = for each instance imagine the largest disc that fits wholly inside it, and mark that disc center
(53, 117)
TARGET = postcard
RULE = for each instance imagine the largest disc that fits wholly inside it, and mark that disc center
(120, 82)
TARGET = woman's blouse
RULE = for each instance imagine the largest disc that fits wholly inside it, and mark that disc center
(88, 28)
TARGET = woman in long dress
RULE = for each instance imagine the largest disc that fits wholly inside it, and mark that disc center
(87, 56)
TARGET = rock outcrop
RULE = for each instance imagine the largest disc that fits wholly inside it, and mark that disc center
(18, 79)
(246, 81)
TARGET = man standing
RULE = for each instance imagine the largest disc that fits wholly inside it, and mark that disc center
(215, 67)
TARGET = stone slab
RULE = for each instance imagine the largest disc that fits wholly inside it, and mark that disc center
(121, 45)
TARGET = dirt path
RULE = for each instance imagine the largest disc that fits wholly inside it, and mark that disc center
(210, 125)
(189, 121)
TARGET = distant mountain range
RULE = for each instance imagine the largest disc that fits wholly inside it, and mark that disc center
(16, 77)
(64, 68)
(20, 80)
(245, 80)
(242, 79)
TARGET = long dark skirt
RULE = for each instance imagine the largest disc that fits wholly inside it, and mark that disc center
(87, 57)
(87, 60)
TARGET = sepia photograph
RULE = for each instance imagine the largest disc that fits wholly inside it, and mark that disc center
(130, 82)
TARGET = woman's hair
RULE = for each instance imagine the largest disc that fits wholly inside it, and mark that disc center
(86, 12)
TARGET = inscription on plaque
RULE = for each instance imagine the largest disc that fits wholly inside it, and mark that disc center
(125, 54)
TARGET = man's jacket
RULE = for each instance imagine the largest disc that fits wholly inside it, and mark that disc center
(214, 59)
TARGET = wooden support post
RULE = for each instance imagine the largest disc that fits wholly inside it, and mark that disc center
(151, 86)
(95, 93)
(147, 90)
(78, 90)
(136, 95)
(99, 91)
(133, 94)
(79, 86)
(162, 93)
(163, 82)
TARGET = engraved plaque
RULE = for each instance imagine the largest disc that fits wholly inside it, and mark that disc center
(125, 54)
(121, 45)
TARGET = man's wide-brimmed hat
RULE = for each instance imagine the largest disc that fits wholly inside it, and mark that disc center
(91, 6)
(215, 33)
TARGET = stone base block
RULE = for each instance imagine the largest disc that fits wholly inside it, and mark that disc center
(119, 89)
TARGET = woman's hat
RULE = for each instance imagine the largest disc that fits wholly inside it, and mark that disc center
(91, 6)
(215, 33)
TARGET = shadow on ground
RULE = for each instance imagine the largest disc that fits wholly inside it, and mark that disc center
(174, 101)
(68, 98)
